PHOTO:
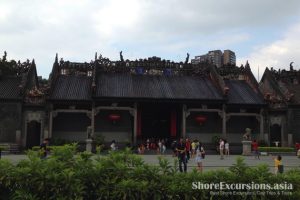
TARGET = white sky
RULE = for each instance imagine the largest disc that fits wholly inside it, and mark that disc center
(266, 33)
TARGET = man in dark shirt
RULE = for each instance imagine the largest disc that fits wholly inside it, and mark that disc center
(181, 152)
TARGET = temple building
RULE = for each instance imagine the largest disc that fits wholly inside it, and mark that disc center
(18, 87)
(132, 100)
(281, 90)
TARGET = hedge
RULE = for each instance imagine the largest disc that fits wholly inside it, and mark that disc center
(276, 149)
(123, 175)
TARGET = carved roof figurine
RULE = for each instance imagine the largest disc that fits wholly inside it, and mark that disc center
(247, 66)
(291, 66)
(121, 57)
(4, 56)
(61, 62)
(187, 58)
(100, 57)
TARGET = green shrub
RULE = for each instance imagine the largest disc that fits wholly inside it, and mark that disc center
(2, 148)
(122, 175)
(276, 149)
(99, 139)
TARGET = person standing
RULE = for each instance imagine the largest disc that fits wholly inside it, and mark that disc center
(174, 146)
(113, 146)
(255, 149)
(278, 167)
(193, 146)
(44, 148)
(163, 147)
(226, 148)
(188, 148)
(199, 157)
(159, 147)
(181, 152)
(221, 147)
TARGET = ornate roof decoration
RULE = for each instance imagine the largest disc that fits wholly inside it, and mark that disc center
(288, 76)
(151, 66)
(284, 83)
(13, 68)
(35, 92)
(74, 68)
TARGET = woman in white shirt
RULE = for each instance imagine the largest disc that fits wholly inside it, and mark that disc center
(226, 148)
(199, 157)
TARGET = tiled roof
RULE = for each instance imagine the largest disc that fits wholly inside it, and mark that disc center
(241, 93)
(9, 87)
(119, 85)
(75, 87)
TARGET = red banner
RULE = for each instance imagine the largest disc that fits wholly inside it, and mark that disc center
(173, 124)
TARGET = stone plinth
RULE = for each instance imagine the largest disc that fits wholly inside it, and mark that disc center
(18, 137)
(89, 145)
(246, 147)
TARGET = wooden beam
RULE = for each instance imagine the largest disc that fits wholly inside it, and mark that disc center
(244, 114)
(71, 111)
(113, 108)
(203, 110)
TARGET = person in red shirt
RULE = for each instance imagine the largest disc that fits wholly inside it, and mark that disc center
(255, 149)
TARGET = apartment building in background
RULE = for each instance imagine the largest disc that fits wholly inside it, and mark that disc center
(229, 57)
(217, 58)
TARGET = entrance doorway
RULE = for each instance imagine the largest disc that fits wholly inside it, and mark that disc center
(33, 134)
(275, 135)
(156, 121)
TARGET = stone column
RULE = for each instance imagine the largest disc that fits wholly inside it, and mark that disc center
(18, 137)
(89, 144)
(261, 129)
(290, 140)
(135, 124)
(93, 120)
(50, 123)
(224, 122)
(284, 133)
(183, 134)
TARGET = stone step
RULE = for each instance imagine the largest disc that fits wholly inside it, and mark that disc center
(10, 148)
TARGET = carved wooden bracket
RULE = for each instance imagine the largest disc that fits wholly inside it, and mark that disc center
(258, 118)
(228, 117)
(220, 113)
(187, 114)
(89, 115)
(54, 114)
(131, 112)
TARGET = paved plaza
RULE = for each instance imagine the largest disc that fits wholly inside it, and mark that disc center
(211, 162)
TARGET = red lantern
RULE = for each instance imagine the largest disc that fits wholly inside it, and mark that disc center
(114, 117)
(200, 119)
